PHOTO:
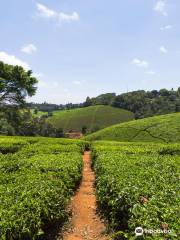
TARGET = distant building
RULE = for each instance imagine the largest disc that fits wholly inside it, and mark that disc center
(73, 134)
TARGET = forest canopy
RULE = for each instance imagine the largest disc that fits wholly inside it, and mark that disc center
(142, 103)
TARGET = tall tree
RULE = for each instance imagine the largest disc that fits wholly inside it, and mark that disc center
(88, 102)
(15, 84)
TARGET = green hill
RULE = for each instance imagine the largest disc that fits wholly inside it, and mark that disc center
(164, 128)
(94, 118)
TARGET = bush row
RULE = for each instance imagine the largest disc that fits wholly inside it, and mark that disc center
(36, 184)
(137, 187)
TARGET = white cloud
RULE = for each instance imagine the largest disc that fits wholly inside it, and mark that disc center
(167, 27)
(160, 7)
(46, 12)
(29, 48)
(77, 82)
(12, 60)
(69, 18)
(163, 50)
(140, 63)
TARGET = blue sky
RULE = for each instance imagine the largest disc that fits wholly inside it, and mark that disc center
(87, 47)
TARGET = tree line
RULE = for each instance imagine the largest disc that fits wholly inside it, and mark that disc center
(141, 103)
(49, 107)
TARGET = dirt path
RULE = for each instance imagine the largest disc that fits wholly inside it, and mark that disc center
(86, 225)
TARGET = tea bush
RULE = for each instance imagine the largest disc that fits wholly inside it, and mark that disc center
(36, 183)
(137, 187)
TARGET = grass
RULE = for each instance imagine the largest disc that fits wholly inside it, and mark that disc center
(94, 118)
(164, 128)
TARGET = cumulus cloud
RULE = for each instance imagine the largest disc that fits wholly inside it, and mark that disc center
(140, 63)
(160, 7)
(167, 27)
(46, 12)
(13, 60)
(163, 50)
(29, 48)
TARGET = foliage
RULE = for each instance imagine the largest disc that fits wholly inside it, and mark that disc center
(36, 111)
(84, 130)
(49, 107)
(18, 121)
(5, 127)
(95, 117)
(103, 99)
(11, 145)
(15, 84)
(137, 187)
(165, 128)
(37, 178)
(141, 103)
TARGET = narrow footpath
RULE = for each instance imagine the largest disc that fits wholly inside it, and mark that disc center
(86, 224)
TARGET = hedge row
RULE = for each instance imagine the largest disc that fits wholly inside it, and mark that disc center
(36, 183)
(137, 187)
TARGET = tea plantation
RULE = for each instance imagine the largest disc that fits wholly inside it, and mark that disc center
(37, 178)
(164, 128)
(93, 118)
(137, 187)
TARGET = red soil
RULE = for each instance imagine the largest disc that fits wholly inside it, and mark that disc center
(86, 224)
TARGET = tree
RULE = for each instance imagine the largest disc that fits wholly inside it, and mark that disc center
(104, 99)
(84, 130)
(59, 132)
(88, 102)
(36, 111)
(15, 84)
(6, 128)
(50, 113)
(150, 103)
(164, 92)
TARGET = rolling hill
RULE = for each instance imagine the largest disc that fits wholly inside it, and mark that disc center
(163, 128)
(94, 118)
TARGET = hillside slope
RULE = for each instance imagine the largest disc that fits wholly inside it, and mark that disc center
(164, 128)
(94, 118)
